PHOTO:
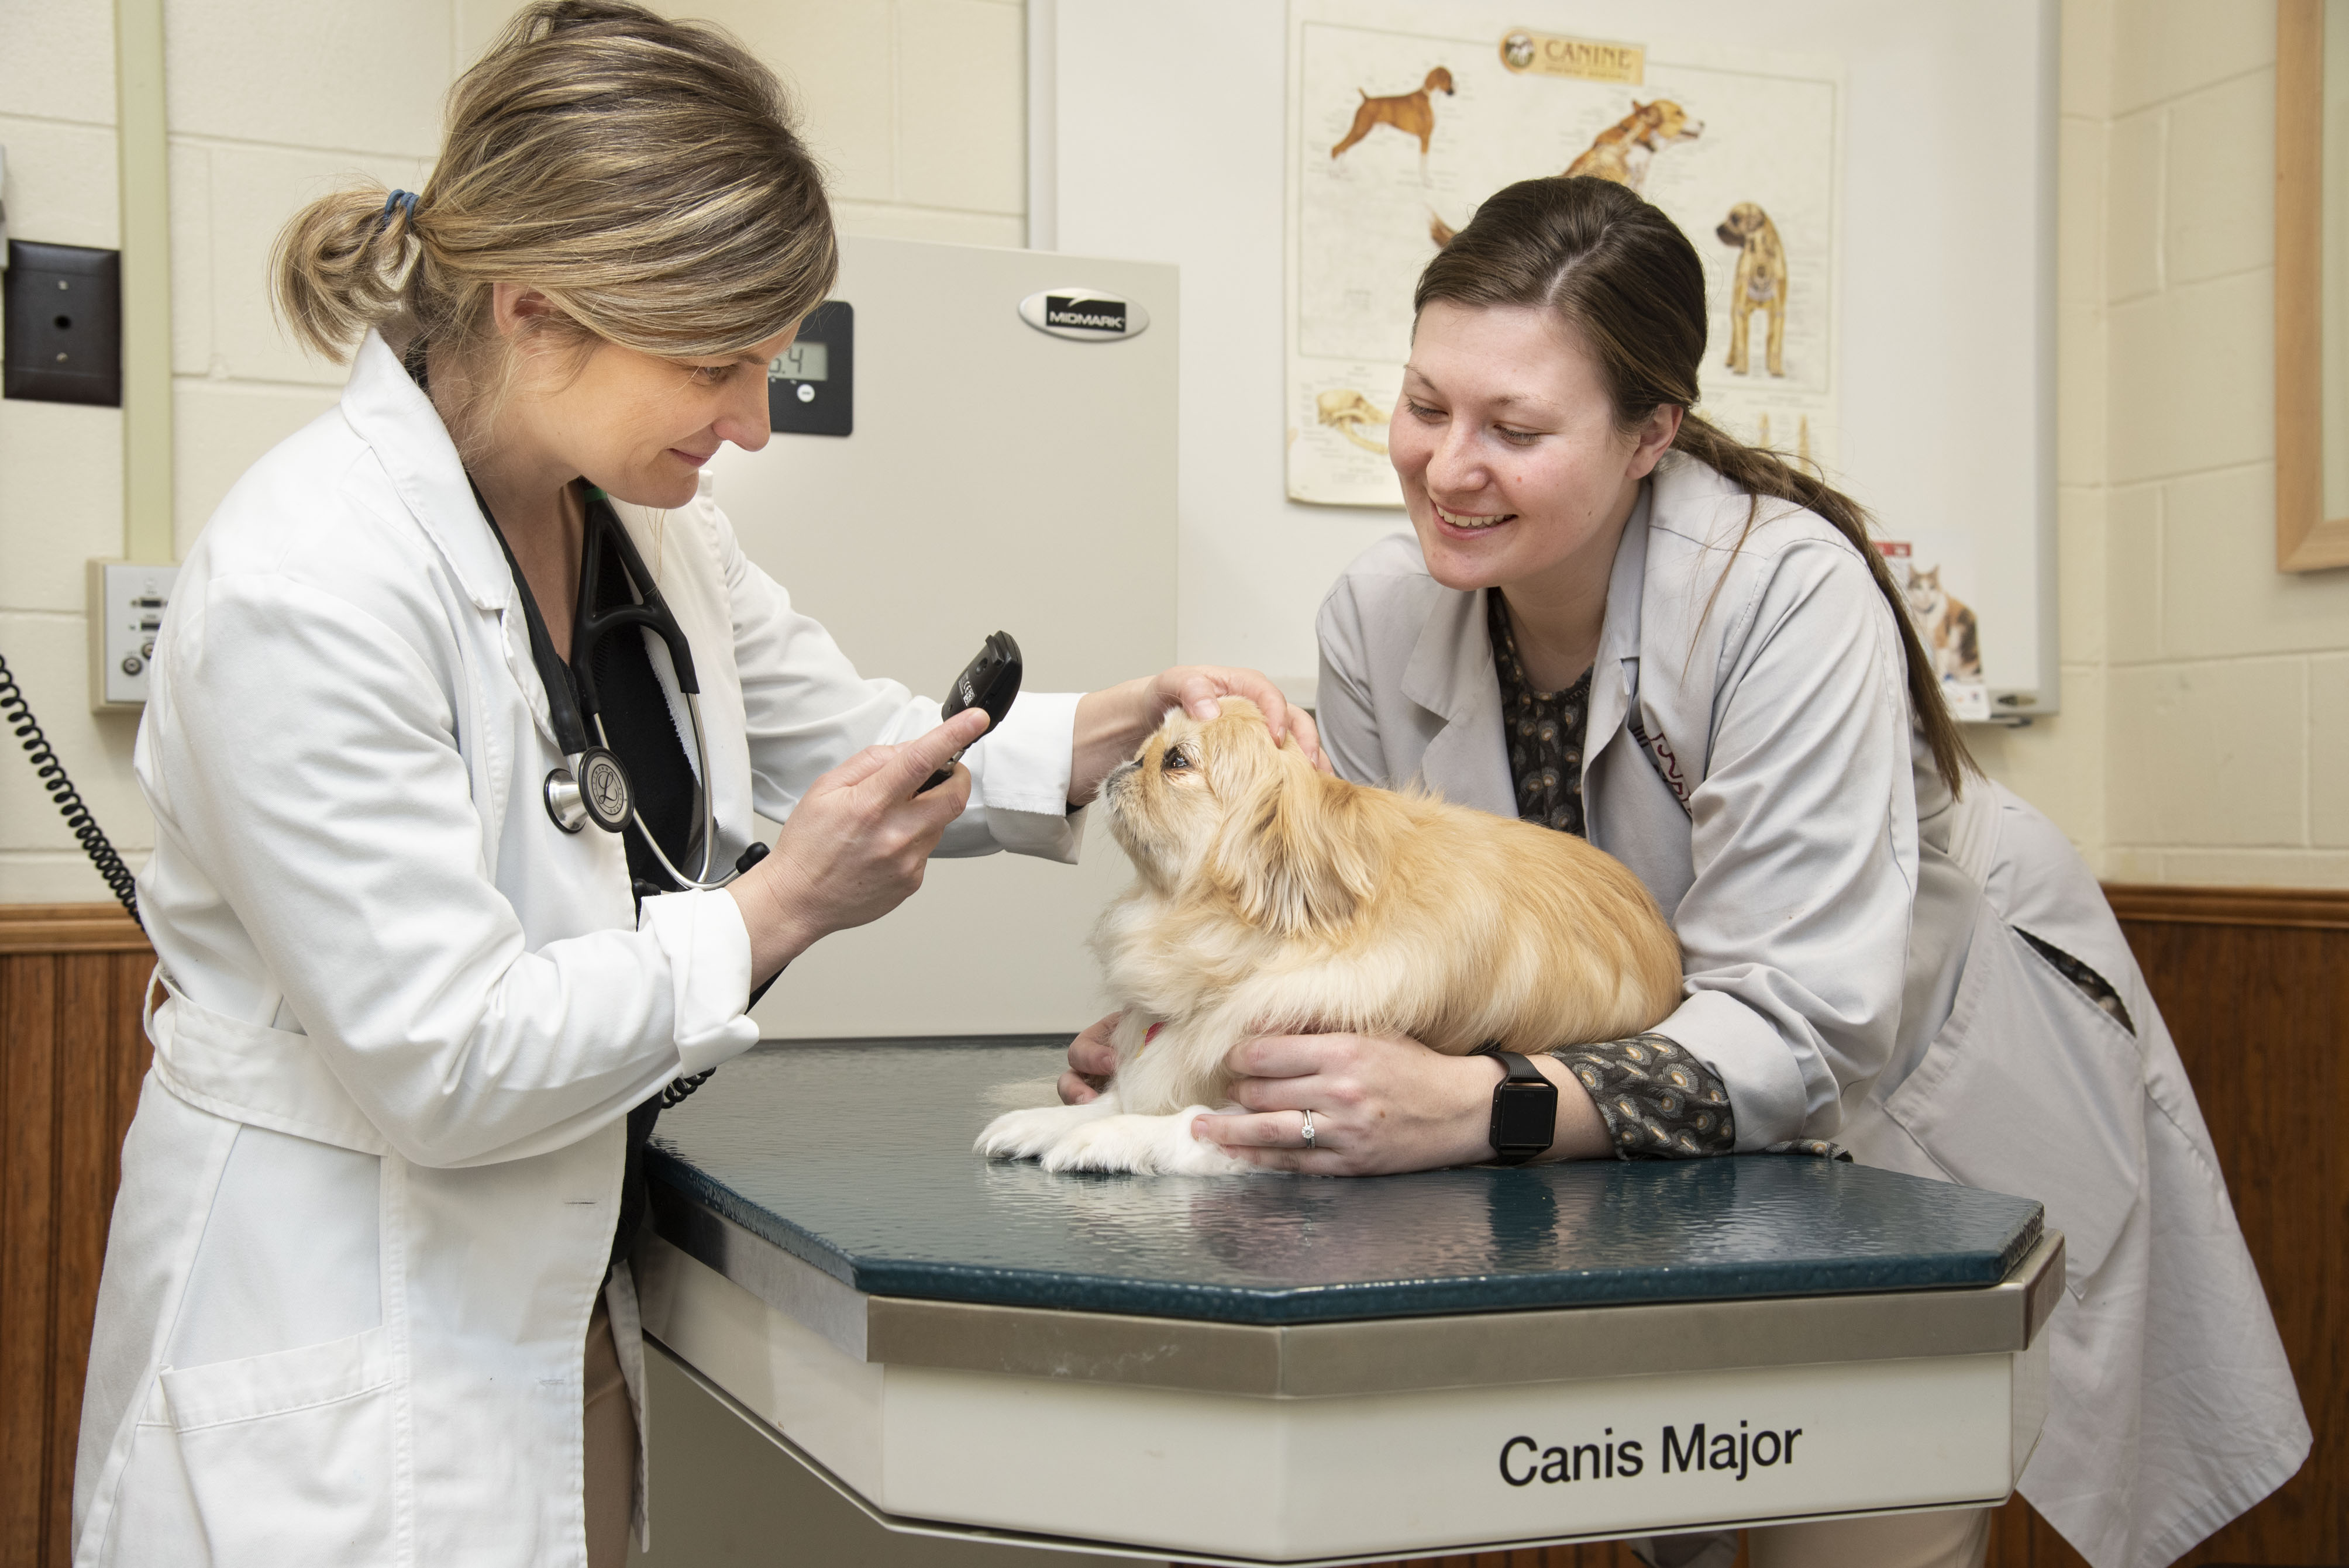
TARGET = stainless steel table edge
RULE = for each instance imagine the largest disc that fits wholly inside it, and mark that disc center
(1374, 1355)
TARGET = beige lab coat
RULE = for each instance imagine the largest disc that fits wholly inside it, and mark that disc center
(1852, 967)
(369, 1193)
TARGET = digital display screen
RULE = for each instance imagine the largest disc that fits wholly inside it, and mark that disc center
(804, 361)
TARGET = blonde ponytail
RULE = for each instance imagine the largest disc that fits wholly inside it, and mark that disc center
(342, 266)
(644, 174)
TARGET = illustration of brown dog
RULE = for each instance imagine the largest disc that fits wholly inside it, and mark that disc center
(1621, 152)
(1761, 285)
(1413, 113)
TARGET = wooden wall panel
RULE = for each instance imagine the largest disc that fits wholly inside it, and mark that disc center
(71, 1058)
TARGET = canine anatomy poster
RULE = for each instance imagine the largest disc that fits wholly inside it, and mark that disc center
(1401, 122)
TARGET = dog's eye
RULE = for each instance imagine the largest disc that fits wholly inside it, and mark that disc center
(1173, 761)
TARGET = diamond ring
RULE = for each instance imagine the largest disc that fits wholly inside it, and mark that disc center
(1308, 1129)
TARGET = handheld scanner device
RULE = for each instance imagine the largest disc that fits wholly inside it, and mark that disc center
(990, 682)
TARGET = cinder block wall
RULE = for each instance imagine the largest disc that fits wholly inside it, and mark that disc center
(2206, 696)
(917, 108)
(2206, 729)
(60, 465)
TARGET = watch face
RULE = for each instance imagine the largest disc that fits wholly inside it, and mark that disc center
(1524, 1116)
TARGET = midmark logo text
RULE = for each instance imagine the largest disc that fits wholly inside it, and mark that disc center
(1086, 314)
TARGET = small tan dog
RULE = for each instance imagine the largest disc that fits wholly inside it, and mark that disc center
(1413, 113)
(1761, 285)
(1273, 899)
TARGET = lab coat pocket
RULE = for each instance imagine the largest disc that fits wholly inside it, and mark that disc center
(2031, 1088)
(289, 1455)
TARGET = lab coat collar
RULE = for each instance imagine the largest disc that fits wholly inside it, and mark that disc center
(1451, 674)
(394, 417)
(1618, 636)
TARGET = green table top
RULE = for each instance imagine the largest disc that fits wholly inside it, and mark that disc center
(856, 1157)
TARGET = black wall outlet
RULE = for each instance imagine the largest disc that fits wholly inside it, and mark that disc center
(65, 324)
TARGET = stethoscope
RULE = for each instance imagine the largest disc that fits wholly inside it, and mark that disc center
(592, 785)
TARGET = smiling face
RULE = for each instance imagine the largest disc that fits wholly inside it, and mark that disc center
(635, 425)
(1513, 468)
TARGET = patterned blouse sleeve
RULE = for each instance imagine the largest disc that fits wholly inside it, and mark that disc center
(1660, 1103)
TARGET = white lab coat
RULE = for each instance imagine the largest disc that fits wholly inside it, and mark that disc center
(1852, 966)
(370, 1189)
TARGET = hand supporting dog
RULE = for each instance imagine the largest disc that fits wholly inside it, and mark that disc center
(1271, 899)
(1380, 1104)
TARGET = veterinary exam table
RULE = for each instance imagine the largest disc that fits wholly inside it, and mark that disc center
(1272, 1369)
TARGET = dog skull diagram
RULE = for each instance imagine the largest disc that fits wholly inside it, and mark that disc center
(1351, 413)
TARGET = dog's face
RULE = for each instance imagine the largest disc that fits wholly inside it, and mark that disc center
(1215, 810)
(1663, 122)
(1745, 220)
(1439, 80)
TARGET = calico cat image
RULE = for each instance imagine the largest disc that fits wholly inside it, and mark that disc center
(1946, 624)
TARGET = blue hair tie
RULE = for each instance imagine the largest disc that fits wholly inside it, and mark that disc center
(403, 201)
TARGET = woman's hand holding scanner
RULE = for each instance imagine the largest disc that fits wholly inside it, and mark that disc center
(855, 846)
(1113, 723)
(1380, 1104)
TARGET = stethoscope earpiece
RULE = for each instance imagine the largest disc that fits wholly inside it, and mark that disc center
(594, 788)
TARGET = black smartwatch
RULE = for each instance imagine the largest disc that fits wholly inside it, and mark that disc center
(1525, 1111)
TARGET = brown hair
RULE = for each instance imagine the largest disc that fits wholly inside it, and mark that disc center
(643, 173)
(1629, 283)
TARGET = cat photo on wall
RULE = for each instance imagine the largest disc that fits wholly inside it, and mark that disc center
(1946, 625)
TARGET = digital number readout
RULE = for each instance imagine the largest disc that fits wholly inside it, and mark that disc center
(804, 361)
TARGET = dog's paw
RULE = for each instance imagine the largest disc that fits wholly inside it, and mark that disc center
(1143, 1145)
(1028, 1134)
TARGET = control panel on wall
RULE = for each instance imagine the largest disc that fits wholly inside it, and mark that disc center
(811, 386)
(127, 600)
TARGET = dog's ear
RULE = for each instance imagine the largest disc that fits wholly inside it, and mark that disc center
(1297, 852)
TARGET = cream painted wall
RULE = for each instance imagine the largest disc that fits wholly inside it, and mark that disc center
(916, 107)
(2206, 696)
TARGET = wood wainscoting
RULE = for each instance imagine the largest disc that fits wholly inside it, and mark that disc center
(71, 1057)
(2254, 984)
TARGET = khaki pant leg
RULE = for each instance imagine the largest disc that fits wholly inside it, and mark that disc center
(611, 1426)
(1957, 1538)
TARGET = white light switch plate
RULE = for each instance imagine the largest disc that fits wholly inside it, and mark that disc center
(127, 600)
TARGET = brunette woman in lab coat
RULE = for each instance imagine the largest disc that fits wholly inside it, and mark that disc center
(1613, 618)
(366, 1296)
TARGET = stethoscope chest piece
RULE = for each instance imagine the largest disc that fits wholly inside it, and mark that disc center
(597, 792)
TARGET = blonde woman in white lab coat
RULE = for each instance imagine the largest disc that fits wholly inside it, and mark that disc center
(1614, 619)
(364, 1300)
